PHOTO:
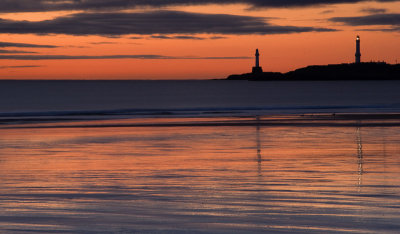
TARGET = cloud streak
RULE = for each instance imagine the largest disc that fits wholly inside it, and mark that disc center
(151, 23)
(16, 52)
(24, 66)
(185, 37)
(79, 57)
(372, 20)
(60, 5)
(372, 10)
(24, 45)
(377, 19)
(178, 37)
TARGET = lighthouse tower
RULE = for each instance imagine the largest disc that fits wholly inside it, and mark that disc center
(257, 68)
(358, 52)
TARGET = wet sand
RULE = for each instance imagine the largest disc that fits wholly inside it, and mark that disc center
(318, 119)
(279, 174)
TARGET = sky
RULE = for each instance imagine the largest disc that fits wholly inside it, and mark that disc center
(189, 39)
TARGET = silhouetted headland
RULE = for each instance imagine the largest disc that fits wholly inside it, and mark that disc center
(347, 71)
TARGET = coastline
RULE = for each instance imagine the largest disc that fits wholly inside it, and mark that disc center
(199, 103)
(344, 71)
(295, 120)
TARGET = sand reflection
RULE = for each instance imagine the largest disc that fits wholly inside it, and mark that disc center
(204, 178)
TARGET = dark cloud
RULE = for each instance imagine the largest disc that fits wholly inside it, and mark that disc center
(178, 37)
(25, 66)
(24, 45)
(393, 29)
(392, 20)
(184, 37)
(217, 37)
(372, 10)
(103, 43)
(151, 23)
(73, 57)
(327, 12)
(70, 57)
(377, 19)
(16, 52)
(56, 5)
(302, 3)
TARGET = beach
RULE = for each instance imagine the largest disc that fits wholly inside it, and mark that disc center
(198, 117)
(200, 178)
(198, 166)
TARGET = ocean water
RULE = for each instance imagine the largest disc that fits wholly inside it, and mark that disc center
(132, 99)
(199, 157)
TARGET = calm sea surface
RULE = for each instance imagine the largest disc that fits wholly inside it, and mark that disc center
(98, 178)
(193, 98)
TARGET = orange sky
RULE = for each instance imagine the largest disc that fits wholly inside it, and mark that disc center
(279, 52)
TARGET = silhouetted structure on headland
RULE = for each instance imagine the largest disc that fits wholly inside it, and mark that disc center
(358, 50)
(345, 71)
(257, 68)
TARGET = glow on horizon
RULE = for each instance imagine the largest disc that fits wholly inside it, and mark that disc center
(279, 52)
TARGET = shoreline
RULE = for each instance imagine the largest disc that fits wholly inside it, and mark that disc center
(296, 120)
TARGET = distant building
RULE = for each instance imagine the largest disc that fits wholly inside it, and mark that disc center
(257, 68)
(358, 50)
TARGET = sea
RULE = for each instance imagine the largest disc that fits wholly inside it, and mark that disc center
(132, 99)
(208, 156)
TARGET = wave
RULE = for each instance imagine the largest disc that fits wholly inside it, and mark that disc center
(69, 115)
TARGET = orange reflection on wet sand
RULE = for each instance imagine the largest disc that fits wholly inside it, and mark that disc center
(200, 178)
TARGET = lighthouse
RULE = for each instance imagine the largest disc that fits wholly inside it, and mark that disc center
(257, 58)
(358, 52)
(257, 68)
